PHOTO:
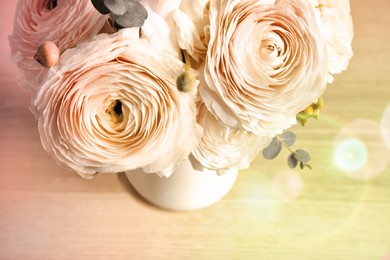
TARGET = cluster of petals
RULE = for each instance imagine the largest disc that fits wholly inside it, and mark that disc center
(66, 23)
(337, 22)
(112, 103)
(222, 148)
(156, 126)
(266, 61)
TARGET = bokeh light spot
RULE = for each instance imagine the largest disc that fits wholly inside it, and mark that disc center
(287, 186)
(350, 155)
(385, 126)
(359, 150)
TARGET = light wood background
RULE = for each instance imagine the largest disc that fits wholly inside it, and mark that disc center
(47, 212)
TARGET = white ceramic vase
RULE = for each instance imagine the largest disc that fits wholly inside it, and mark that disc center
(186, 189)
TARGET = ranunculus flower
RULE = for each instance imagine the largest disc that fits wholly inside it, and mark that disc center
(337, 22)
(112, 105)
(192, 20)
(160, 27)
(266, 61)
(222, 148)
(65, 22)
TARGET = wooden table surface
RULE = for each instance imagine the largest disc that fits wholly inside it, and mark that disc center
(47, 212)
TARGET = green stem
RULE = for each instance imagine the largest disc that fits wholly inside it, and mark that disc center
(284, 144)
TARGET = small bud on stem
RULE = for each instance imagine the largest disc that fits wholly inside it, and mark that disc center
(311, 111)
(48, 54)
(186, 81)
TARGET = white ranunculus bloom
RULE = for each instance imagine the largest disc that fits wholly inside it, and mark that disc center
(67, 23)
(192, 22)
(222, 148)
(164, 8)
(266, 61)
(160, 27)
(337, 22)
(112, 105)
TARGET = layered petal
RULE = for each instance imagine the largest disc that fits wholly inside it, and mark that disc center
(337, 21)
(266, 61)
(67, 23)
(112, 105)
(192, 21)
(160, 27)
(222, 148)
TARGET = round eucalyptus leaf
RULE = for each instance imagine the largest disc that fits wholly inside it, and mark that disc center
(292, 161)
(273, 149)
(100, 6)
(301, 165)
(118, 27)
(289, 138)
(117, 7)
(135, 16)
(302, 156)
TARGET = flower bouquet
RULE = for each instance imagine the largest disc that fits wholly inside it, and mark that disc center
(125, 85)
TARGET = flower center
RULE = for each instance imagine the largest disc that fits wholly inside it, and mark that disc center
(51, 4)
(272, 47)
(271, 50)
(114, 110)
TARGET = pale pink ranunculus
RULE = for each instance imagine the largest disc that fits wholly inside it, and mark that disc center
(112, 105)
(222, 148)
(160, 27)
(337, 21)
(192, 21)
(266, 61)
(67, 23)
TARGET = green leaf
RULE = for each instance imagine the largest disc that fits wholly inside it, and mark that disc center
(302, 156)
(273, 149)
(100, 6)
(301, 165)
(134, 16)
(292, 161)
(116, 7)
(289, 138)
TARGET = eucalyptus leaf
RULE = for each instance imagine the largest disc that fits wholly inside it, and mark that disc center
(135, 16)
(273, 149)
(117, 7)
(301, 165)
(302, 156)
(292, 161)
(289, 138)
(118, 27)
(100, 6)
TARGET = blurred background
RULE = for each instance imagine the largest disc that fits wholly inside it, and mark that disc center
(338, 210)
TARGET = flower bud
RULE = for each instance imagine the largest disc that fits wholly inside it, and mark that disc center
(48, 54)
(186, 81)
(309, 111)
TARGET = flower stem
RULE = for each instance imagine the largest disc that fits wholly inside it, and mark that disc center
(284, 144)
(187, 60)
